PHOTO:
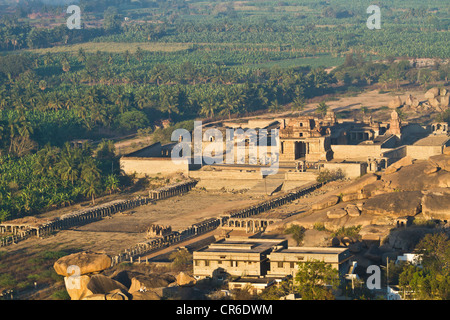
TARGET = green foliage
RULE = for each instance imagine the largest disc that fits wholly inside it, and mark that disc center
(351, 232)
(319, 226)
(327, 175)
(430, 280)
(181, 259)
(61, 295)
(51, 177)
(316, 280)
(298, 233)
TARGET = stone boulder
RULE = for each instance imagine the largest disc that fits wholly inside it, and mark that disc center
(76, 286)
(100, 284)
(403, 162)
(141, 282)
(358, 184)
(86, 262)
(336, 213)
(352, 210)
(145, 295)
(394, 204)
(329, 202)
(440, 161)
(444, 101)
(436, 204)
(402, 179)
(355, 196)
(375, 232)
(432, 93)
(431, 168)
(184, 279)
(395, 103)
(118, 294)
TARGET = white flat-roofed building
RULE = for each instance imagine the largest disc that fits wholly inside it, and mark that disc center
(242, 257)
(285, 262)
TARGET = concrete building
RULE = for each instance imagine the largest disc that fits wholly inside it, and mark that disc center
(262, 258)
(240, 257)
(285, 262)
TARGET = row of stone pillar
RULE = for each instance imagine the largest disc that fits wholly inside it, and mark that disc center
(87, 216)
(168, 240)
(170, 191)
(271, 204)
(6, 241)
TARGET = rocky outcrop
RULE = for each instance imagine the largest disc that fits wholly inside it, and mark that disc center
(406, 161)
(329, 202)
(394, 204)
(184, 279)
(85, 279)
(436, 204)
(395, 103)
(87, 262)
(336, 213)
(352, 210)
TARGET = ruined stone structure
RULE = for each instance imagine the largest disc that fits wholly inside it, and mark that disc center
(172, 190)
(156, 230)
(304, 138)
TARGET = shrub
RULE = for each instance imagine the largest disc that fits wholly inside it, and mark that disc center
(327, 175)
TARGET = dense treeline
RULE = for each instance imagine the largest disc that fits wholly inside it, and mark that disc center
(55, 177)
(48, 98)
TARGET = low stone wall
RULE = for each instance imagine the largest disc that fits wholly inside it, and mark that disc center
(423, 152)
(153, 166)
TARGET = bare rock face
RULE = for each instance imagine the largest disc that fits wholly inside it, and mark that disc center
(436, 204)
(352, 210)
(358, 184)
(85, 261)
(406, 161)
(394, 204)
(441, 161)
(419, 176)
(329, 202)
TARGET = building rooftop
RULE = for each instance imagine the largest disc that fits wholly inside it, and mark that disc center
(433, 140)
(244, 245)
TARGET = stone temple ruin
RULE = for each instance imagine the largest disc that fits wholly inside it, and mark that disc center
(307, 145)
(156, 231)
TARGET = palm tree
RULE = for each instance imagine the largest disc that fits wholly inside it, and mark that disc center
(90, 174)
(112, 183)
(209, 107)
(322, 108)
(298, 104)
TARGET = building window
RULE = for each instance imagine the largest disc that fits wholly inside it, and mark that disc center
(206, 263)
(280, 264)
(300, 258)
(292, 265)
